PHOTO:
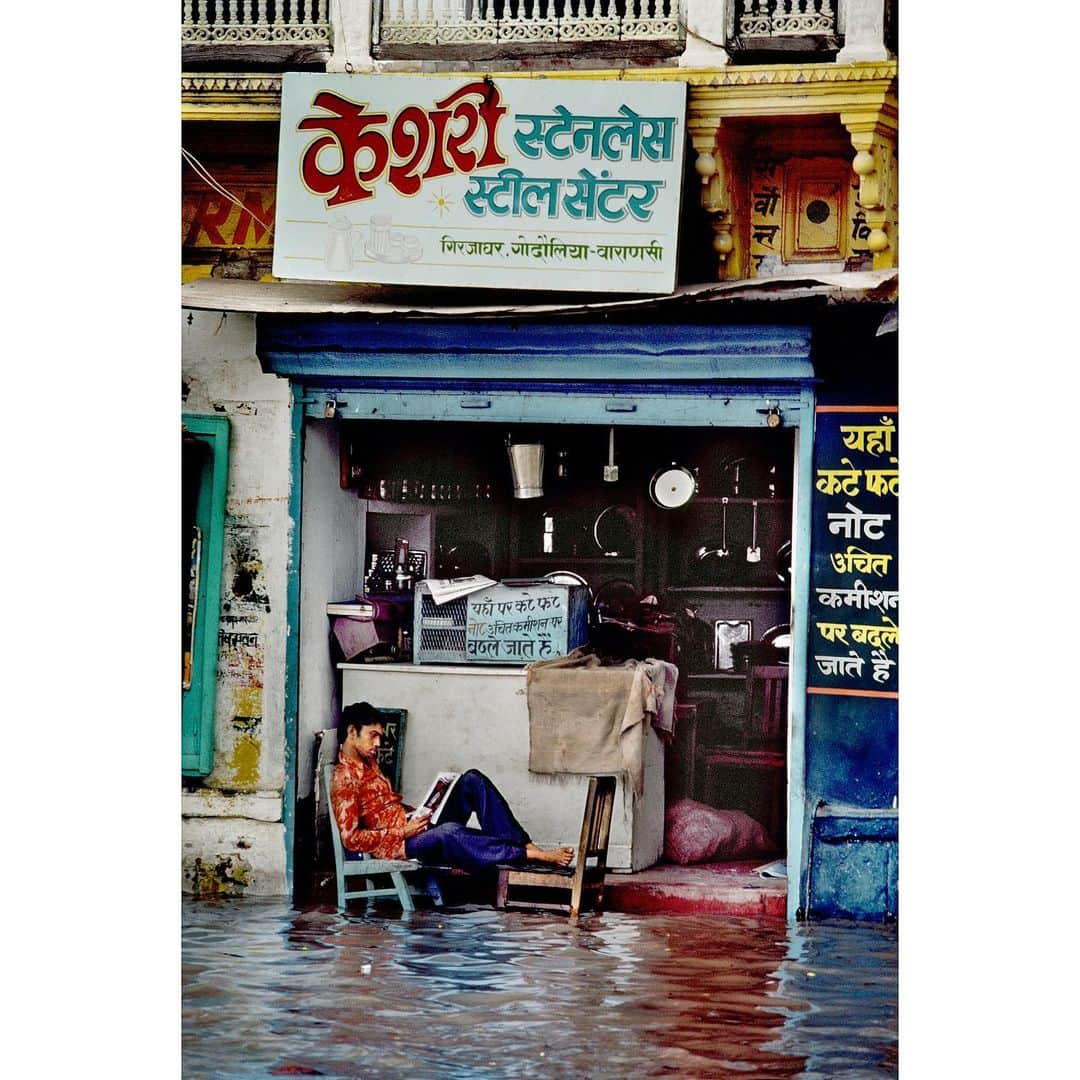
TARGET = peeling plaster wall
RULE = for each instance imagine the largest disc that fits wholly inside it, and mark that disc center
(330, 569)
(232, 857)
(233, 836)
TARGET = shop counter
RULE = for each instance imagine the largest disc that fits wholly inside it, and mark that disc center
(462, 717)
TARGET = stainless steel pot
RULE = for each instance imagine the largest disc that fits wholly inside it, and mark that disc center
(672, 486)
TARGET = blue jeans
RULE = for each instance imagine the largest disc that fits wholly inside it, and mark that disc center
(500, 839)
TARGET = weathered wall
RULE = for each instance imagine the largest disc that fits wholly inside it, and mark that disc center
(852, 742)
(233, 836)
(330, 570)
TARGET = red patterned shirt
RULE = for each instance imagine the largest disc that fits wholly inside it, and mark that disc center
(369, 815)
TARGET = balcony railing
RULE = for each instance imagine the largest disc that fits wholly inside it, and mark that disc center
(235, 25)
(788, 25)
(780, 18)
(538, 26)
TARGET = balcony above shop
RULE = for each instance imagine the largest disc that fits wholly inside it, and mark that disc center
(529, 35)
(255, 33)
(785, 26)
(549, 30)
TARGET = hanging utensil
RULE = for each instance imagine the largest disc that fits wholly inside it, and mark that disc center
(672, 487)
(614, 530)
(783, 563)
(611, 470)
(753, 552)
(713, 555)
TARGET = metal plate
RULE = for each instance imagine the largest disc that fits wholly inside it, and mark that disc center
(672, 487)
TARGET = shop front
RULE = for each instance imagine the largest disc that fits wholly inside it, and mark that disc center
(655, 449)
(675, 487)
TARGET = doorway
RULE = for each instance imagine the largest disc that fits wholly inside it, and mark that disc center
(705, 583)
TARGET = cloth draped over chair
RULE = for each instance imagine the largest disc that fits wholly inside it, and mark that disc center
(587, 718)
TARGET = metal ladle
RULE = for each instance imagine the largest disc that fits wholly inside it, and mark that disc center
(723, 552)
(753, 552)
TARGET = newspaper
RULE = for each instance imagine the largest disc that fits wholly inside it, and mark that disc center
(777, 869)
(436, 796)
(443, 589)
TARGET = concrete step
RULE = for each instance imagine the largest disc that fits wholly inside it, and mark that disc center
(706, 889)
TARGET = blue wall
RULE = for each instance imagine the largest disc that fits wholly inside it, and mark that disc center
(852, 749)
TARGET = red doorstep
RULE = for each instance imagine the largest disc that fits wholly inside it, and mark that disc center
(708, 889)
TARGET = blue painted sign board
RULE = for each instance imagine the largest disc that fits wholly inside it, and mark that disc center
(854, 598)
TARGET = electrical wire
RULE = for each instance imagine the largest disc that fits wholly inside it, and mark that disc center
(204, 174)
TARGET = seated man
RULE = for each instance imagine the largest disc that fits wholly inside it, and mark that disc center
(372, 819)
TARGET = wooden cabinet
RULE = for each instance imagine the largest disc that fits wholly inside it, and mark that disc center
(456, 538)
(447, 489)
(447, 485)
(591, 531)
(736, 526)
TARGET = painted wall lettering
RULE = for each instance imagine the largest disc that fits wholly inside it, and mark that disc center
(854, 607)
(518, 629)
(211, 220)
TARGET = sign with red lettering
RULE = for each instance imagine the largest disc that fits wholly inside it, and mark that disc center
(516, 183)
(212, 220)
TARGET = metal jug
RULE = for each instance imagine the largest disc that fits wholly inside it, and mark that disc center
(527, 469)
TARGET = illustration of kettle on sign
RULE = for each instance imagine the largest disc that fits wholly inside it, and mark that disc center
(339, 257)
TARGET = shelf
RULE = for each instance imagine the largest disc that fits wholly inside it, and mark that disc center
(385, 506)
(577, 560)
(768, 590)
(715, 675)
(739, 500)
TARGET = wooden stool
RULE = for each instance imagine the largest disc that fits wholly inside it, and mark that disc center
(572, 885)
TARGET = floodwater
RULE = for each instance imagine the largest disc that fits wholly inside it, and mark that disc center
(271, 990)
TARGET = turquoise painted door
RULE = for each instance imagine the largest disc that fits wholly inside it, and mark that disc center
(204, 472)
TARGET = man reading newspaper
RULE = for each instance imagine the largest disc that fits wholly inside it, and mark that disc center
(372, 819)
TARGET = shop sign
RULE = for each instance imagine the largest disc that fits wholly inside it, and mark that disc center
(463, 181)
(230, 235)
(854, 600)
(211, 220)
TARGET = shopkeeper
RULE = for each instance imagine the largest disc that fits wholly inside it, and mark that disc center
(372, 819)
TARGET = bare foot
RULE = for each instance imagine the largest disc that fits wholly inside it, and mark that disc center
(562, 856)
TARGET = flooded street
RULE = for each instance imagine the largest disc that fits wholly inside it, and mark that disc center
(270, 990)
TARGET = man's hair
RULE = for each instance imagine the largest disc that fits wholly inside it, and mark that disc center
(359, 715)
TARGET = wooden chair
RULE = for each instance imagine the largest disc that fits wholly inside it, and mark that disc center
(576, 883)
(366, 868)
(761, 747)
(390, 756)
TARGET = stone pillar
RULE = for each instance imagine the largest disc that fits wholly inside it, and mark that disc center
(874, 140)
(863, 24)
(706, 33)
(715, 166)
(350, 29)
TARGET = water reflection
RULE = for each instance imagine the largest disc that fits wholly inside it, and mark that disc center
(270, 990)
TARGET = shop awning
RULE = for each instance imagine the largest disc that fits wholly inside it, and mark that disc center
(555, 371)
(366, 351)
(525, 353)
(332, 298)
